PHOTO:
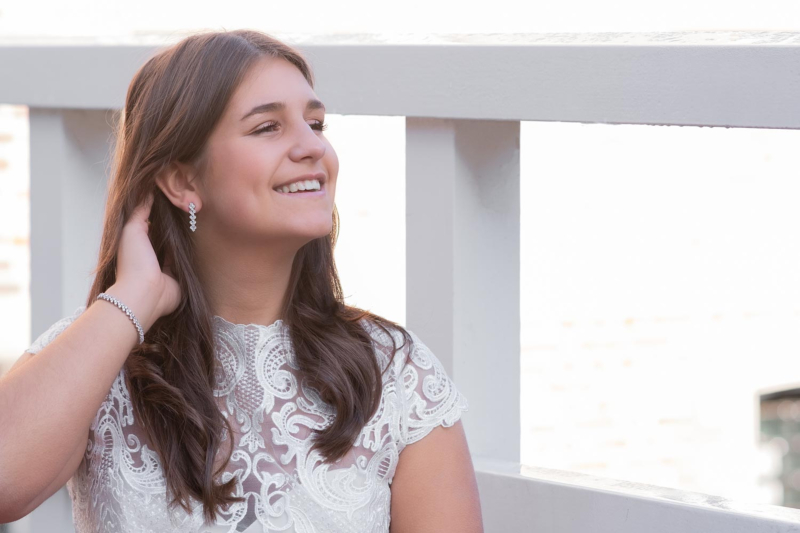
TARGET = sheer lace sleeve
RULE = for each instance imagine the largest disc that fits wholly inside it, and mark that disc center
(53, 331)
(429, 397)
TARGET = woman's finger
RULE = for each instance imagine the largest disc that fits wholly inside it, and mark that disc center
(143, 209)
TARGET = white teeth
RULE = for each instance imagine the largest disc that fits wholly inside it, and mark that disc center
(306, 185)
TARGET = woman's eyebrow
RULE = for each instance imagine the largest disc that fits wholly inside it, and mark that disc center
(280, 106)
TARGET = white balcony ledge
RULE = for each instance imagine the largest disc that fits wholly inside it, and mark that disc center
(523, 498)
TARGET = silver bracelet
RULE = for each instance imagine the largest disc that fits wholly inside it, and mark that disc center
(126, 310)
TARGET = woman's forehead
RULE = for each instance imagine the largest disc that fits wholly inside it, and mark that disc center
(273, 80)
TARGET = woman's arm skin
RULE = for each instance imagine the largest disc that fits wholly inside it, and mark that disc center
(434, 489)
(48, 401)
(67, 472)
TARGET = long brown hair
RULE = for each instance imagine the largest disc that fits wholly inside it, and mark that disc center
(173, 103)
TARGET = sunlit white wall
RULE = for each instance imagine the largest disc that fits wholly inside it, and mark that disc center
(660, 294)
(15, 304)
(370, 197)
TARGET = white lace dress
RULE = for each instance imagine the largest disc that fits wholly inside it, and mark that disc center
(119, 486)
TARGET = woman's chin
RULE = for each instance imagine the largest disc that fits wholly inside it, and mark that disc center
(309, 232)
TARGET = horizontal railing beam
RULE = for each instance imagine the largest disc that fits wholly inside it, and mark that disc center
(724, 79)
(515, 498)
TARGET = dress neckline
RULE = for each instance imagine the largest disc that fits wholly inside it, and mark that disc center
(277, 324)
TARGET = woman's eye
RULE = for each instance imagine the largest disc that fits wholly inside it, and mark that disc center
(268, 127)
(318, 125)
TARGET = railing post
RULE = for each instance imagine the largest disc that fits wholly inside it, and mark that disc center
(69, 153)
(462, 266)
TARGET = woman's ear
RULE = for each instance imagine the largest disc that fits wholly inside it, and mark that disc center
(177, 182)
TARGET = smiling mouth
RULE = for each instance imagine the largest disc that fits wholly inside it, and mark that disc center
(310, 193)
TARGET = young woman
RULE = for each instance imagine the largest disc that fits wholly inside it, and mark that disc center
(215, 380)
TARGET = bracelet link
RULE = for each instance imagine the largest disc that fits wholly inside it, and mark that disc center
(107, 297)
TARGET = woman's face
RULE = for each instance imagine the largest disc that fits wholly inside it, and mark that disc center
(252, 151)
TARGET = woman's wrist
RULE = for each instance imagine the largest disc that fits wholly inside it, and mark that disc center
(138, 300)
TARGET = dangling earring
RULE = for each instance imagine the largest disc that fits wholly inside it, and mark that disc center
(192, 217)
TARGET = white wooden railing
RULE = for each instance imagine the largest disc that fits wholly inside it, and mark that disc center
(464, 97)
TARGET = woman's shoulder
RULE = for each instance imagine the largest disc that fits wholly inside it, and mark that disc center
(54, 330)
(426, 394)
(380, 333)
(388, 341)
(412, 354)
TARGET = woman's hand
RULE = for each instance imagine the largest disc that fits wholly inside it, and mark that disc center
(138, 270)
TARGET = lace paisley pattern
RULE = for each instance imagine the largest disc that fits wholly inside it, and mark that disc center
(119, 485)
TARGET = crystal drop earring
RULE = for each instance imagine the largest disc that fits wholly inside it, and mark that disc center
(192, 217)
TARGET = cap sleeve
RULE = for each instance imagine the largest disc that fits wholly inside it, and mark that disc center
(53, 331)
(428, 396)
